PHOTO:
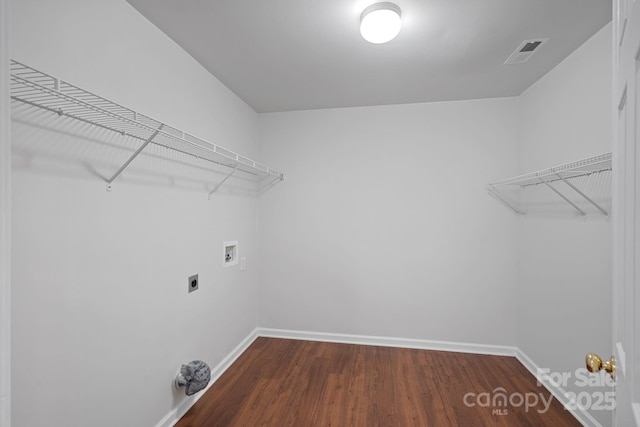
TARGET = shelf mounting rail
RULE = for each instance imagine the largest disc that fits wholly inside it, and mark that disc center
(38, 89)
(564, 173)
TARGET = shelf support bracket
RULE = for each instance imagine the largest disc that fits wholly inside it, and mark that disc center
(130, 159)
(493, 192)
(587, 198)
(552, 188)
(223, 181)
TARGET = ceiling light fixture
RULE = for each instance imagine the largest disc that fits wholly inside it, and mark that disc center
(380, 22)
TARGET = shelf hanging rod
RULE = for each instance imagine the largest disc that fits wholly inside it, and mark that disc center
(583, 213)
(575, 174)
(60, 112)
(62, 95)
(587, 198)
(130, 159)
(223, 181)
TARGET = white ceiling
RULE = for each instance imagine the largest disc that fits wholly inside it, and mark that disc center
(283, 55)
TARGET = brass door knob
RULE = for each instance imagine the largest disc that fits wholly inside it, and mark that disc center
(595, 364)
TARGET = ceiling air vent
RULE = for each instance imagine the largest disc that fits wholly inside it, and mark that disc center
(525, 51)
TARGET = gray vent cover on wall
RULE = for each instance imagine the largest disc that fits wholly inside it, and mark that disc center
(525, 51)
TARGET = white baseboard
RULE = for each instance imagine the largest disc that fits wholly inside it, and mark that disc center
(557, 391)
(174, 416)
(498, 350)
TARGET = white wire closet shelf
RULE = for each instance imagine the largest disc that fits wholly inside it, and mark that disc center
(42, 90)
(570, 182)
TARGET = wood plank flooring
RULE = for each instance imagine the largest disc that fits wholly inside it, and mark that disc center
(278, 382)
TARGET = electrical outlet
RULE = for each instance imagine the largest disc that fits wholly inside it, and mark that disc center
(193, 283)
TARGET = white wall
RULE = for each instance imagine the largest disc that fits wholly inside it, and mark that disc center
(101, 315)
(5, 223)
(383, 226)
(564, 293)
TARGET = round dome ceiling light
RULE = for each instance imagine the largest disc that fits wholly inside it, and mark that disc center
(380, 22)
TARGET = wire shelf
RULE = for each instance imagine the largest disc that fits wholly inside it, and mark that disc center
(571, 182)
(42, 90)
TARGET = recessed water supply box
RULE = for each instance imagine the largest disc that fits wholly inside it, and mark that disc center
(230, 253)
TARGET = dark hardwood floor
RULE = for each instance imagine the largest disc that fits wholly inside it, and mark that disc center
(279, 382)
